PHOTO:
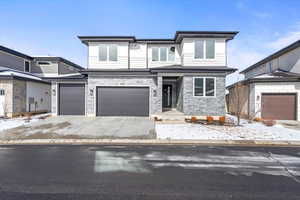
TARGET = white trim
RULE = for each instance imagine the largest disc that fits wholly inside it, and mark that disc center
(68, 82)
(125, 86)
(204, 50)
(204, 87)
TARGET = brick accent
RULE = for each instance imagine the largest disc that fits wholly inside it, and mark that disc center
(203, 106)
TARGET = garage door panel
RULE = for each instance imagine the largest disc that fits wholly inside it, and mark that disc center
(71, 99)
(123, 101)
(279, 106)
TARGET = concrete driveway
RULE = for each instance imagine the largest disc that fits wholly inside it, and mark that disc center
(84, 127)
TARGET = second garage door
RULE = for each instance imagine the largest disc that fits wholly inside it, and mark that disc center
(71, 99)
(123, 101)
(279, 106)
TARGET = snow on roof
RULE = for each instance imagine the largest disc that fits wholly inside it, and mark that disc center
(4, 71)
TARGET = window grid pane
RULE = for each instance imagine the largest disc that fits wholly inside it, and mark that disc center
(171, 54)
(210, 87)
(163, 54)
(198, 87)
(210, 49)
(154, 54)
(102, 52)
(199, 49)
(113, 52)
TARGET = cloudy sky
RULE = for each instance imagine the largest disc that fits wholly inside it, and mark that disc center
(43, 27)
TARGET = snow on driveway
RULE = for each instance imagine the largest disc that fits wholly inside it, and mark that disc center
(248, 131)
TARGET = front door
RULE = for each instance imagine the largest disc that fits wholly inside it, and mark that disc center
(167, 96)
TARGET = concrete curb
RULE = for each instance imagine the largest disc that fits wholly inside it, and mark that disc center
(148, 142)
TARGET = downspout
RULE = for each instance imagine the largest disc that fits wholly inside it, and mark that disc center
(147, 55)
(128, 55)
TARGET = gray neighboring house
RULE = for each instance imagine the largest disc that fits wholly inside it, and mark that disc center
(126, 76)
(271, 86)
(23, 81)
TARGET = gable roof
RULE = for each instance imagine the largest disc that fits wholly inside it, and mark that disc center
(273, 56)
(57, 59)
(15, 53)
(179, 35)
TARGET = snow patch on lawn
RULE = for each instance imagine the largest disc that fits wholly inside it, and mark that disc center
(247, 131)
(20, 121)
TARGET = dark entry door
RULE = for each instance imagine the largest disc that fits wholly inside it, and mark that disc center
(123, 101)
(167, 96)
(71, 99)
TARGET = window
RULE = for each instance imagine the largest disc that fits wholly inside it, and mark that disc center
(198, 87)
(163, 54)
(204, 49)
(108, 52)
(26, 66)
(2, 92)
(171, 54)
(204, 87)
(199, 49)
(209, 87)
(43, 63)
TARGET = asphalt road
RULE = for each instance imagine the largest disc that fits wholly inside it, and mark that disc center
(148, 172)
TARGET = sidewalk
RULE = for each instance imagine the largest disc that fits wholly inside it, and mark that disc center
(149, 142)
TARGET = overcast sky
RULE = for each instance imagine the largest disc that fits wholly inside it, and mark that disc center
(44, 27)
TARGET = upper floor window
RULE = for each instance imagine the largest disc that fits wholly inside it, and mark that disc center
(205, 87)
(2, 92)
(204, 49)
(108, 52)
(163, 54)
(43, 63)
(26, 66)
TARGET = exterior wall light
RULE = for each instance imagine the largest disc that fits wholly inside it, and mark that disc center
(53, 92)
(91, 92)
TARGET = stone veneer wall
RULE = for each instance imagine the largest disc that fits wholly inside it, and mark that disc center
(19, 97)
(204, 106)
(155, 84)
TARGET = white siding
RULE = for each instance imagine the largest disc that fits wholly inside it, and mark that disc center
(257, 89)
(188, 49)
(93, 60)
(41, 94)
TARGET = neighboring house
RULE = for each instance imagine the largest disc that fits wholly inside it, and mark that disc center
(126, 76)
(271, 86)
(23, 81)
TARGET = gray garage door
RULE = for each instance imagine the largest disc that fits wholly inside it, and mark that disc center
(122, 101)
(71, 99)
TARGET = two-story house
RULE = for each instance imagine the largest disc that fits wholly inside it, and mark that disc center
(23, 81)
(271, 86)
(126, 76)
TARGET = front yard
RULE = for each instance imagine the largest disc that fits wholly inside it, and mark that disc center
(247, 131)
(139, 128)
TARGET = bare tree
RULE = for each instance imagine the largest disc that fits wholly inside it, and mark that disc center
(238, 100)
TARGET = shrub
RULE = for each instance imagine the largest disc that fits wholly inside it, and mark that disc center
(257, 119)
(194, 119)
(222, 119)
(209, 119)
(269, 122)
